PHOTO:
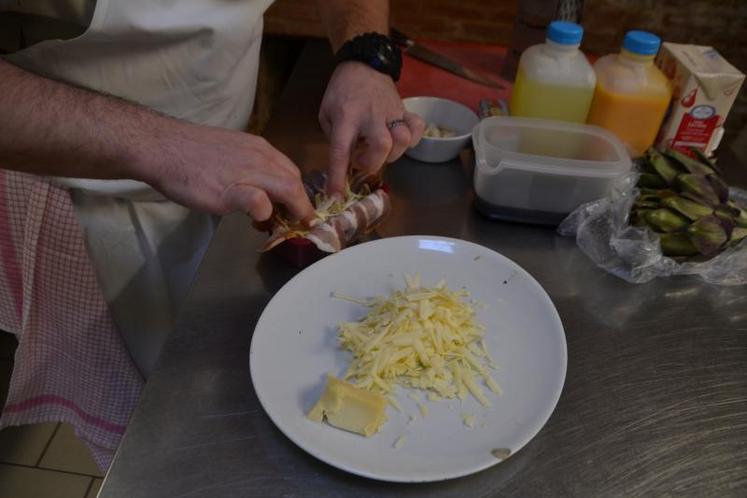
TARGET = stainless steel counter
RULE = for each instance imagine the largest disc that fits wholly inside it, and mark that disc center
(655, 399)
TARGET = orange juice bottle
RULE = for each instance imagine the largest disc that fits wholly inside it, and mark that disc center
(632, 94)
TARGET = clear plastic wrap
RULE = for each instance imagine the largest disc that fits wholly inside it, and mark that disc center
(602, 232)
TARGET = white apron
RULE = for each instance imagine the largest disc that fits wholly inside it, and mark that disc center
(192, 59)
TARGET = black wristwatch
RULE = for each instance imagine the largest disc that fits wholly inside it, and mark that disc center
(375, 50)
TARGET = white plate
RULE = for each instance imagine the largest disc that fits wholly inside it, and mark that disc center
(295, 345)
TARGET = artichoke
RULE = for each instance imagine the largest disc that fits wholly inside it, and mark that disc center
(691, 165)
(686, 202)
(663, 167)
(691, 209)
(699, 186)
(651, 180)
(664, 220)
(719, 186)
(700, 156)
(708, 235)
(677, 244)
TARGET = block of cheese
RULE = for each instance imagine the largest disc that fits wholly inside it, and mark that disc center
(350, 408)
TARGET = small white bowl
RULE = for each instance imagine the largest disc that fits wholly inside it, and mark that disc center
(445, 113)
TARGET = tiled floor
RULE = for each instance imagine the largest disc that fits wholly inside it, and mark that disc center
(43, 460)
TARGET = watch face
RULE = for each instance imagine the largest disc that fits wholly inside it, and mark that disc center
(376, 62)
(384, 57)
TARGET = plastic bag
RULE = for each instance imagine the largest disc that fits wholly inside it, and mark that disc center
(631, 253)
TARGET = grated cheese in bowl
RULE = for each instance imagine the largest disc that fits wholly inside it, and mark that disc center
(420, 337)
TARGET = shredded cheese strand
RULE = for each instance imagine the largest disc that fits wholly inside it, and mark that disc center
(325, 207)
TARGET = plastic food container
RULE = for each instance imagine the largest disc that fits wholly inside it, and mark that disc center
(538, 171)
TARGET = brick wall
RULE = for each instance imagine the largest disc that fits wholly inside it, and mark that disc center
(463, 20)
(720, 23)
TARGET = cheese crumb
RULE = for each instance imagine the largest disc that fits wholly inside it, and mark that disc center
(423, 409)
(393, 401)
(469, 420)
(399, 442)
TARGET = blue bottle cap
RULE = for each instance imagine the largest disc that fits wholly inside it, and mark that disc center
(565, 33)
(641, 42)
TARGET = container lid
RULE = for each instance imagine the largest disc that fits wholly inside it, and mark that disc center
(565, 33)
(641, 42)
(548, 147)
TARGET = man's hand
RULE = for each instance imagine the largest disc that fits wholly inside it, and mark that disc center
(362, 113)
(223, 171)
(365, 122)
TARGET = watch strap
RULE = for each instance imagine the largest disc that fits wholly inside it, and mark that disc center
(375, 50)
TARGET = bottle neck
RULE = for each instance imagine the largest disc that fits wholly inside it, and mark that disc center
(559, 48)
(628, 57)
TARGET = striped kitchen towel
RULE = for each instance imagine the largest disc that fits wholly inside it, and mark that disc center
(71, 364)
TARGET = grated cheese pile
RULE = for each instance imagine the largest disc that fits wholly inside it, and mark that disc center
(423, 338)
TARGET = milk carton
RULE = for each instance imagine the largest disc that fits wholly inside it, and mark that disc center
(704, 89)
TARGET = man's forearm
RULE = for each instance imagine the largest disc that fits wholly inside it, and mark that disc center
(344, 19)
(51, 128)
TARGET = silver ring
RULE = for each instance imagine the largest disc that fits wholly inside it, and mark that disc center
(395, 123)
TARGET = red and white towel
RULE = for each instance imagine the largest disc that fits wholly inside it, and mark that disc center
(71, 364)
